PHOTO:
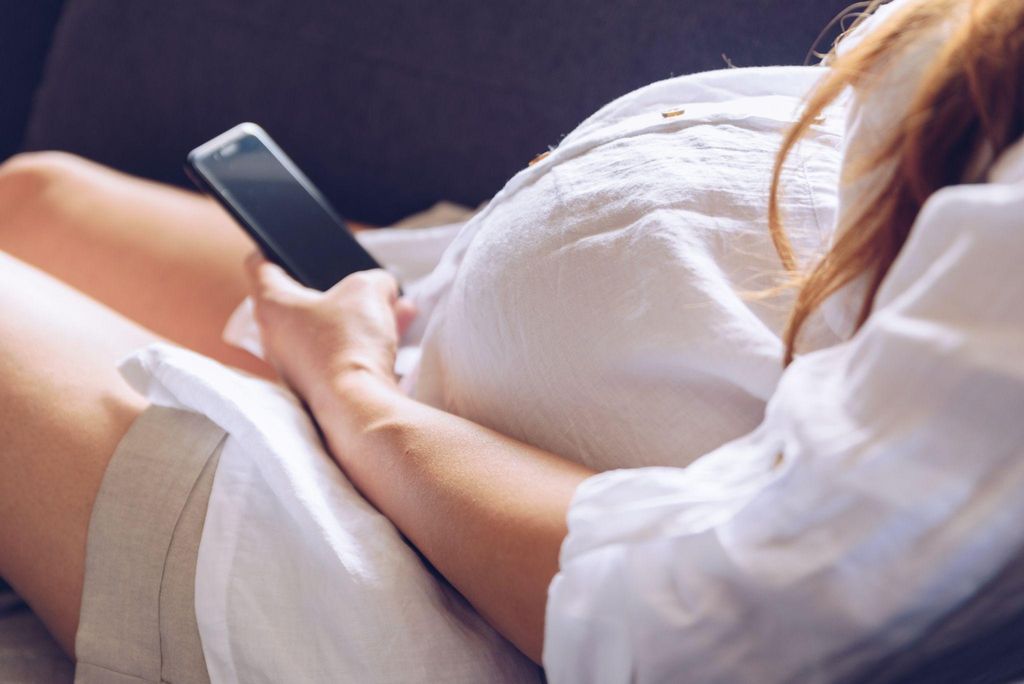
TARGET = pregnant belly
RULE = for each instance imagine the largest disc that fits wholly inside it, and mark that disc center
(599, 311)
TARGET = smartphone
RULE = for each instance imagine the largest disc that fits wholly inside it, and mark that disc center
(274, 202)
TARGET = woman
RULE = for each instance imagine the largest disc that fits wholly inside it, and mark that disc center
(873, 496)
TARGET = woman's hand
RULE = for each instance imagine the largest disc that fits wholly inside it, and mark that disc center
(488, 511)
(315, 338)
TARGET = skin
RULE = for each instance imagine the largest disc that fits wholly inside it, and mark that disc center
(488, 511)
(63, 409)
(137, 262)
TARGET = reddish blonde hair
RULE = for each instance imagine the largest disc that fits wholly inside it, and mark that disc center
(967, 105)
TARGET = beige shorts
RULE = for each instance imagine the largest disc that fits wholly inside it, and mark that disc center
(138, 621)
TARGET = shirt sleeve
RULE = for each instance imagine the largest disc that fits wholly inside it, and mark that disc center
(897, 496)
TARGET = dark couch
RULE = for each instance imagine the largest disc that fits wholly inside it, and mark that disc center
(389, 106)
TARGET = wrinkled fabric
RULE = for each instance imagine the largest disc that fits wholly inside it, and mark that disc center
(899, 493)
(881, 492)
(298, 578)
(595, 307)
(603, 305)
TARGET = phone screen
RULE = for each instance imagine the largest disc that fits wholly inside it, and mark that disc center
(279, 206)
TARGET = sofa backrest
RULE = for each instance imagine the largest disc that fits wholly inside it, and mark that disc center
(26, 29)
(388, 105)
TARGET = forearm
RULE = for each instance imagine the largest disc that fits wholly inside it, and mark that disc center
(488, 511)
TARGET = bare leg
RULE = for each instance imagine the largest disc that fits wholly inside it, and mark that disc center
(63, 409)
(169, 259)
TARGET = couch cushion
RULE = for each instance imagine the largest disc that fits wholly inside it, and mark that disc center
(388, 105)
(25, 34)
(28, 654)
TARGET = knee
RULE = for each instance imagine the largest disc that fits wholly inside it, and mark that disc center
(37, 187)
(32, 172)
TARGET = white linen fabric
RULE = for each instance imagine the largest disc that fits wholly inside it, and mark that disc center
(300, 580)
(298, 577)
(881, 491)
(899, 495)
(596, 308)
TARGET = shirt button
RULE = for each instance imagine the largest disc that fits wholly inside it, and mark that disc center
(672, 113)
(540, 157)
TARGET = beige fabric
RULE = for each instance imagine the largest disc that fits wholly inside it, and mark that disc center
(138, 619)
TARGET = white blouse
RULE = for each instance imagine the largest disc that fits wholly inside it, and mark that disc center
(897, 499)
(899, 496)
(593, 307)
(596, 308)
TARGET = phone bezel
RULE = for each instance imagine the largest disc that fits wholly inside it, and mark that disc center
(194, 171)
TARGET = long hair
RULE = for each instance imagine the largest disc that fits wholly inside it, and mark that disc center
(967, 107)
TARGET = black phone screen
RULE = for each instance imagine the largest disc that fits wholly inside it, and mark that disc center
(281, 209)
